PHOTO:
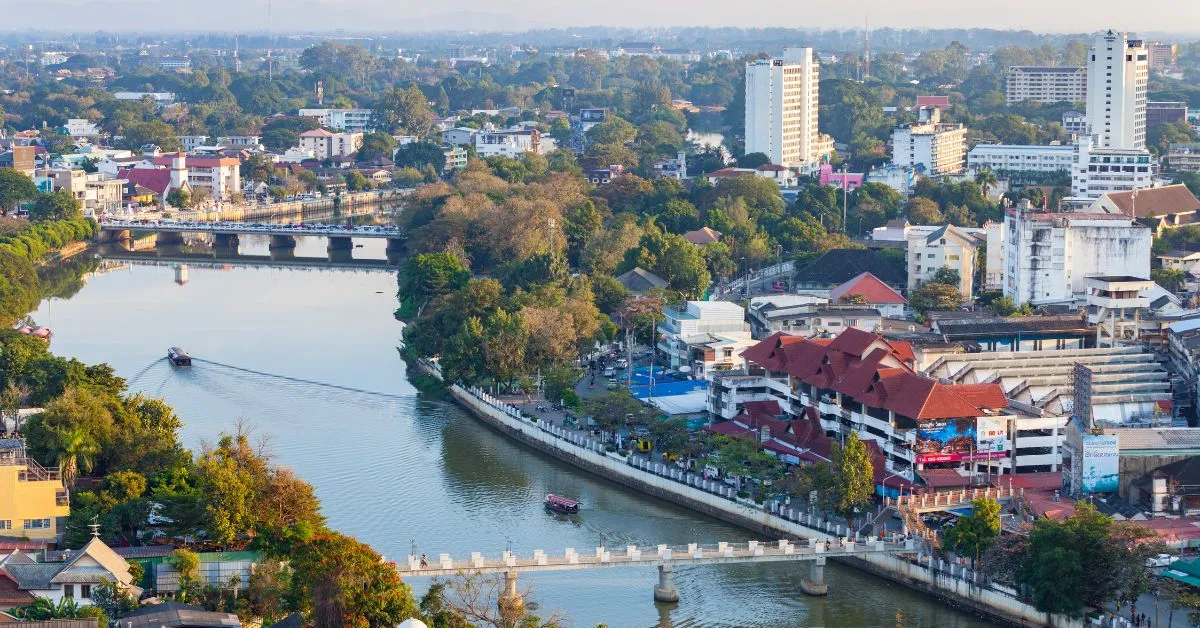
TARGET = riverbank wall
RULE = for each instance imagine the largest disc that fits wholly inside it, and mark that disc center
(954, 584)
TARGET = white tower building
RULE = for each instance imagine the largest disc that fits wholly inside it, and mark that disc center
(781, 108)
(1116, 97)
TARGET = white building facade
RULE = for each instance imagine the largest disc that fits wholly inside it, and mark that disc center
(940, 148)
(781, 108)
(1045, 84)
(948, 247)
(1048, 257)
(1099, 170)
(699, 321)
(340, 119)
(1118, 70)
(1018, 158)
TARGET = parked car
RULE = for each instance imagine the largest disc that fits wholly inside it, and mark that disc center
(1162, 560)
(609, 372)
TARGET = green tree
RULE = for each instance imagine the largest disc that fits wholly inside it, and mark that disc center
(946, 275)
(280, 139)
(403, 112)
(376, 146)
(180, 198)
(460, 356)
(613, 130)
(974, 533)
(428, 275)
(75, 451)
(753, 160)
(932, 296)
(560, 385)
(355, 181)
(57, 205)
(1172, 279)
(855, 475)
(420, 154)
(924, 211)
(15, 188)
(986, 180)
(342, 582)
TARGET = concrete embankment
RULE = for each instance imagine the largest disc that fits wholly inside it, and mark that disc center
(953, 584)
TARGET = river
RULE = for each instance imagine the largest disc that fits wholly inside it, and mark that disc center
(393, 467)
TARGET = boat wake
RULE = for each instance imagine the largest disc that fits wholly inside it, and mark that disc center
(303, 381)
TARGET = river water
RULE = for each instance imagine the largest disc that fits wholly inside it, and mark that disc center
(394, 468)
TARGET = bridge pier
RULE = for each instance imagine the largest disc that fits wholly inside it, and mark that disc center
(169, 238)
(665, 590)
(226, 241)
(282, 242)
(511, 603)
(814, 584)
(340, 244)
(394, 247)
(115, 235)
(341, 255)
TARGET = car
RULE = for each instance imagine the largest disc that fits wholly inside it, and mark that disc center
(609, 372)
(1162, 560)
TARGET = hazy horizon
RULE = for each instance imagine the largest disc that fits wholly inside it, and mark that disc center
(408, 16)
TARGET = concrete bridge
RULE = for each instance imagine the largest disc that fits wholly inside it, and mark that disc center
(279, 258)
(226, 234)
(664, 557)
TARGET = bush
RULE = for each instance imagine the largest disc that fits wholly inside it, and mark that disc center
(610, 448)
(624, 453)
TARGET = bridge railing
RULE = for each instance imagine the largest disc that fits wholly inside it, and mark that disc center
(676, 554)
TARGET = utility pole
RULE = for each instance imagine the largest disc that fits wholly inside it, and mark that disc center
(845, 199)
(270, 42)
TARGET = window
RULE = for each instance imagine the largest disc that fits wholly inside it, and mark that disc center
(68, 590)
(5, 524)
(85, 590)
(37, 524)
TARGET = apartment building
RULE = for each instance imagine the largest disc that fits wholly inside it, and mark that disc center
(1074, 123)
(1018, 158)
(781, 108)
(697, 325)
(947, 247)
(1049, 256)
(219, 177)
(1183, 157)
(33, 501)
(1162, 56)
(351, 120)
(326, 145)
(507, 143)
(937, 148)
(1045, 84)
(1118, 72)
(1101, 170)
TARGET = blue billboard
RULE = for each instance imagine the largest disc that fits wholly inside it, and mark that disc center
(1101, 463)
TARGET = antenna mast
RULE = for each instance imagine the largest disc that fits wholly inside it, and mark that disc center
(270, 42)
(867, 48)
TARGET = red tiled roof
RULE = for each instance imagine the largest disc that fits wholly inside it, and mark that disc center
(156, 180)
(772, 168)
(703, 235)
(870, 287)
(933, 101)
(988, 396)
(730, 429)
(882, 377)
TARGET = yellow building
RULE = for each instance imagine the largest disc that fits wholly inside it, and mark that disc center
(33, 501)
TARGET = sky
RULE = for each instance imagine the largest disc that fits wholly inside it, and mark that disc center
(1182, 16)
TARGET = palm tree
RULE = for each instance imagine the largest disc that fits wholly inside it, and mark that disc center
(76, 451)
(986, 180)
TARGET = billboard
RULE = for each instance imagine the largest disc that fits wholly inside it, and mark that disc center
(1100, 469)
(960, 440)
(991, 435)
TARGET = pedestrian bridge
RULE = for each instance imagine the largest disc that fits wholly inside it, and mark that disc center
(664, 557)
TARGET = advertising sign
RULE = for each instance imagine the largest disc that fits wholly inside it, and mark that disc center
(991, 435)
(1101, 469)
(958, 440)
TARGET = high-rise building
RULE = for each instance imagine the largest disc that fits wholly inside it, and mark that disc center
(1162, 56)
(936, 147)
(781, 108)
(1116, 100)
(1045, 84)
